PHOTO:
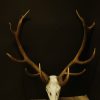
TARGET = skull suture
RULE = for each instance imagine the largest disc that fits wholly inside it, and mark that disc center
(53, 88)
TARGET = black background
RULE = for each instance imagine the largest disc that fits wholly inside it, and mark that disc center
(52, 36)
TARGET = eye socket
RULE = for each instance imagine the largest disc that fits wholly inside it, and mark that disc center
(56, 94)
(50, 94)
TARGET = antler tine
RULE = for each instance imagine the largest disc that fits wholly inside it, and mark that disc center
(84, 41)
(75, 74)
(63, 77)
(32, 75)
(26, 59)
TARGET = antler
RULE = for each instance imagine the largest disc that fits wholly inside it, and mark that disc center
(64, 75)
(26, 59)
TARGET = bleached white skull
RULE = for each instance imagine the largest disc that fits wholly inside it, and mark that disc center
(53, 88)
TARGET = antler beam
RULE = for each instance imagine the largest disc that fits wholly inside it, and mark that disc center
(63, 77)
(26, 59)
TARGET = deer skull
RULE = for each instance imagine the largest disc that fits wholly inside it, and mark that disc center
(54, 82)
(53, 88)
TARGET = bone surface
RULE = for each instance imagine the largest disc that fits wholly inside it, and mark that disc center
(53, 88)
